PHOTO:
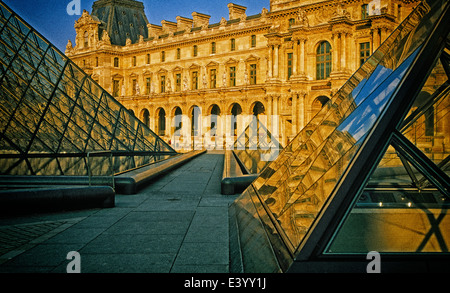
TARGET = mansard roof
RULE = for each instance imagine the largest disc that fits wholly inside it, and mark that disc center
(122, 19)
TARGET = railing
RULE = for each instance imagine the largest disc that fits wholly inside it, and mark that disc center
(111, 166)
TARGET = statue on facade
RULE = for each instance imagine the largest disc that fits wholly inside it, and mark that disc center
(138, 90)
(169, 85)
(302, 18)
(224, 79)
(106, 40)
(341, 11)
(69, 47)
(204, 81)
(123, 91)
(185, 84)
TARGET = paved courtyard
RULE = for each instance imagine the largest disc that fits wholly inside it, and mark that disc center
(178, 224)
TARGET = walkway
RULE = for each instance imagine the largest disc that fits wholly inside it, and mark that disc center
(177, 224)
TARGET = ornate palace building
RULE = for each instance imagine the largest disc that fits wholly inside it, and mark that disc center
(285, 62)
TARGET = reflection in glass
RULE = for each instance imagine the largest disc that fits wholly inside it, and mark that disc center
(295, 188)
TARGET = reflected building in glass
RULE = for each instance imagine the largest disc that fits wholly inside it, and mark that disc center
(364, 174)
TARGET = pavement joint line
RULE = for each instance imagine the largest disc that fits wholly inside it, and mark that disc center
(66, 223)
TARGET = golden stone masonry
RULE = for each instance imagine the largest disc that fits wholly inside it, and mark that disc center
(286, 61)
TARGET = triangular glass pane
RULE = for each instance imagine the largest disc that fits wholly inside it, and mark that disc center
(394, 215)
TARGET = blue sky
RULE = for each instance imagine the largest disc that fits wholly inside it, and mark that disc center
(50, 18)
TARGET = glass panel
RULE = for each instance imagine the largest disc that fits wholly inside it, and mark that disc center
(294, 188)
(400, 211)
(52, 112)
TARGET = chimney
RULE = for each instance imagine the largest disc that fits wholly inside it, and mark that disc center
(200, 20)
(184, 23)
(237, 11)
(168, 26)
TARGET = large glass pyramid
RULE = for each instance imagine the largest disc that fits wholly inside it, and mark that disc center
(370, 172)
(55, 120)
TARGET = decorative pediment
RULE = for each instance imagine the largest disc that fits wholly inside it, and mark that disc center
(231, 61)
(212, 64)
(194, 66)
(86, 19)
(252, 58)
(177, 69)
(162, 71)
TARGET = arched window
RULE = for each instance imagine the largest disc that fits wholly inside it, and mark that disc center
(178, 120)
(258, 109)
(195, 50)
(215, 113)
(236, 110)
(195, 120)
(161, 122)
(323, 60)
(146, 117)
(318, 104)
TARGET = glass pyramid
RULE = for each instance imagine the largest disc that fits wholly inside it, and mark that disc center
(256, 147)
(55, 120)
(297, 215)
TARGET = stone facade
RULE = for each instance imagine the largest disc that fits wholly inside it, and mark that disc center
(284, 62)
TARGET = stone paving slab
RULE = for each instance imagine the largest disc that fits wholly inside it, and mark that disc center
(177, 224)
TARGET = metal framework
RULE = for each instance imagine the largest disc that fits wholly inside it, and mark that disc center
(53, 116)
(363, 175)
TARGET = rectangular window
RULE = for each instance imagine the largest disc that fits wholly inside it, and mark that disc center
(195, 51)
(252, 73)
(253, 41)
(178, 82)
(134, 61)
(163, 83)
(133, 86)
(178, 53)
(148, 85)
(233, 44)
(289, 65)
(213, 48)
(195, 80)
(163, 56)
(148, 58)
(116, 62)
(115, 88)
(232, 76)
(364, 11)
(213, 79)
(364, 52)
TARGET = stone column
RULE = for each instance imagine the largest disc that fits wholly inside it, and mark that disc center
(302, 57)
(301, 111)
(294, 114)
(270, 65)
(295, 57)
(276, 60)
